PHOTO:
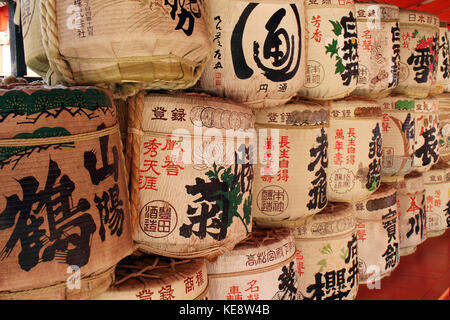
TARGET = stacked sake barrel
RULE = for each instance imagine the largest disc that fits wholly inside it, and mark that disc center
(65, 218)
(443, 72)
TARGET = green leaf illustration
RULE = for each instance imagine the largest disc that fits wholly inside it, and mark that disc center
(340, 68)
(404, 105)
(337, 28)
(326, 249)
(248, 209)
(332, 48)
(323, 264)
(344, 253)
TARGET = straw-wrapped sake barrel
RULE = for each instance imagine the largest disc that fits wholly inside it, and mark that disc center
(145, 277)
(127, 45)
(191, 174)
(259, 51)
(426, 148)
(378, 49)
(411, 210)
(443, 67)
(444, 126)
(262, 267)
(437, 189)
(398, 133)
(294, 142)
(327, 254)
(418, 53)
(64, 210)
(377, 230)
(332, 66)
(355, 149)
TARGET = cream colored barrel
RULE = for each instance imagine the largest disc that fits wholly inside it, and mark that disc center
(259, 51)
(437, 189)
(411, 210)
(332, 66)
(127, 45)
(443, 70)
(64, 210)
(426, 148)
(327, 254)
(261, 267)
(355, 149)
(146, 277)
(191, 159)
(294, 142)
(398, 133)
(378, 49)
(444, 126)
(418, 53)
(377, 230)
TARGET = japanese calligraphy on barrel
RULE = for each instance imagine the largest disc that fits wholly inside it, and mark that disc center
(442, 71)
(261, 267)
(411, 210)
(398, 133)
(64, 210)
(444, 126)
(191, 173)
(259, 51)
(418, 53)
(332, 66)
(126, 45)
(437, 189)
(327, 254)
(147, 277)
(284, 134)
(377, 230)
(355, 149)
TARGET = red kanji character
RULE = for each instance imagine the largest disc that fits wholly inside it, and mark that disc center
(283, 175)
(317, 35)
(253, 287)
(316, 20)
(338, 145)
(150, 164)
(351, 133)
(172, 169)
(366, 34)
(189, 284)
(149, 184)
(284, 143)
(145, 294)
(268, 143)
(199, 278)
(151, 147)
(172, 144)
(284, 154)
(166, 292)
(267, 178)
(339, 134)
(367, 45)
(338, 159)
(284, 164)
(413, 207)
(234, 293)
(350, 159)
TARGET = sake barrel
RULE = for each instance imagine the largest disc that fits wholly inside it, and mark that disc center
(411, 210)
(259, 51)
(377, 230)
(294, 142)
(426, 149)
(332, 66)
(126, 45)
(418, 52)
(355, 149)
(444, 126)
(443, 71)
(191, 174)
(261, 267)
(146, 277)
(64, 210)
(437, 189)
(378, 48)
(327, 254)
(398, 133)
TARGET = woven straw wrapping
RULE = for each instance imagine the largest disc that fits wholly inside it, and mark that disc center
(142, 277)
(377, 229)
(411, 210)
(332, 66)
(443, 71)
(64, 211)
(190, 186)
(378, 49)
(126, 46)
(418, 53)
(294, 149)
(355, 149)
(444, 126)
(259, 51)
(398, 131)
(437, 190)
(327, 252)
(261, 267)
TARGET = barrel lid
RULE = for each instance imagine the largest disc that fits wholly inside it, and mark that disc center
(377, 204)
(367, 10)
(354, 106)
(338, 218)
(166, 113)
(148, 273)
(264, 248)
(295, 113)
(444, 100)
(438, 173)
(419, 18)
(41, 111)
(413, 183)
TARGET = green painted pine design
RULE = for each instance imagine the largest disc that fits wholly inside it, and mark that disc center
(326, 249)
(333, 48)
(404, 105)
(323, 264)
